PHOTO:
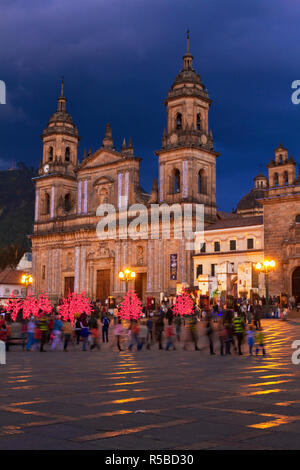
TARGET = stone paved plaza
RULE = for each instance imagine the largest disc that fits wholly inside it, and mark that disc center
(153, 399)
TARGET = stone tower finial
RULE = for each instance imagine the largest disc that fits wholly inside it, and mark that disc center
(124, 144)
(188, 40)
(62, 87)
(61, 102)
(188, 58)
(108, 141)
(128, 150)
(154, 192)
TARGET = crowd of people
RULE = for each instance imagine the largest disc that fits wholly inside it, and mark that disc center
(225, 330)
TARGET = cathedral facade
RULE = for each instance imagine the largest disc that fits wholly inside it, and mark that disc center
(67, 253)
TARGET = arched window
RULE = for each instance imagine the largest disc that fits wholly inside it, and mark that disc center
(47, 204)
(67, 202)
(179, 121)
(50, 154)
(275, 179)
(297, 218)
(286, 178)
(280, 158)
(198, 123)
(67, 154)
(202, 182)
(176, 181)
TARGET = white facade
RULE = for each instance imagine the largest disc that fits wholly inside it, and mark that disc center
(227, 264)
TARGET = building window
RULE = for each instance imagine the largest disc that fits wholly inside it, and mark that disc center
(286, 178)
(43, 272)
(47, 204)
(297, 218)
(202, 248)
(199, 269)
(67, 154)
(250, 243)
(50, 154)
(202, 182)
(232, 245)
(198, 124)
(212, 269)
(176, 181)
(179, 121)
(217, 246)
(276, 179)
(67, 202)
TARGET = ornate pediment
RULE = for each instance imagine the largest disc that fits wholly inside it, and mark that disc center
(101, 157)
(101, 250)
(103, 180)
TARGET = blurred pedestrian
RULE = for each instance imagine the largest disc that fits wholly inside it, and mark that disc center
(170, 335)
(250, 336)
(118, 331)
(67, 332)
(239, 326)
(105, 326)
(142, 335)
(210, 335)
(260, 342)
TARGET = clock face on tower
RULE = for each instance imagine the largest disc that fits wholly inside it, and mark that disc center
(46, 168)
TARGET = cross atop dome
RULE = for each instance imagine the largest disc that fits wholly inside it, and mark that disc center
(188, 58)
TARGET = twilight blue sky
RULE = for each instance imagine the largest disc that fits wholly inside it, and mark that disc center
(119, 58)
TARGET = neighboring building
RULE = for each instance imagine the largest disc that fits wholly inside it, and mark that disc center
(10, 284)
(276, 234)
(25, 263)
(227, 256)
(66, 251)
(249, 204)
(281, 203)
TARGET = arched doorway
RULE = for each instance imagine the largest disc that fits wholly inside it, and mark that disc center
(296, 282)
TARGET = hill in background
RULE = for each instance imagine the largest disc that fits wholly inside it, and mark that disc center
(16, 213)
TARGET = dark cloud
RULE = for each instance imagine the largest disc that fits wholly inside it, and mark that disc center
(119, 58)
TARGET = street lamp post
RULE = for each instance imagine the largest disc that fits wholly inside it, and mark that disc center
(127, 275)
(265, 267)
(27, 280)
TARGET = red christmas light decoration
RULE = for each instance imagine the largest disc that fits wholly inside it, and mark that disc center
(131, 307)
(184, 305)
(13, 306)
(75, 304)
(36, 306)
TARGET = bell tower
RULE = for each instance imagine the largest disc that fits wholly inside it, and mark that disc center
(60, 141)
(187, 159)
(56, 185)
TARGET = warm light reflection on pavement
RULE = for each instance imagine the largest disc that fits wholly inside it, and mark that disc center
(153, 399)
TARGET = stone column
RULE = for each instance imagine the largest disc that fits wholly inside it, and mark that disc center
(161, 182)
(36, 210)
(119, 189)
(52, 202)
(117, 266)
(184, 179)
(49, 271)
(126, 189)
(85, 196)
(79, 197)
(150, 267)
(83, 282)
(77, 274)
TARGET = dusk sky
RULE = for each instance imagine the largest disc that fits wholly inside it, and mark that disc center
(119, 59)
